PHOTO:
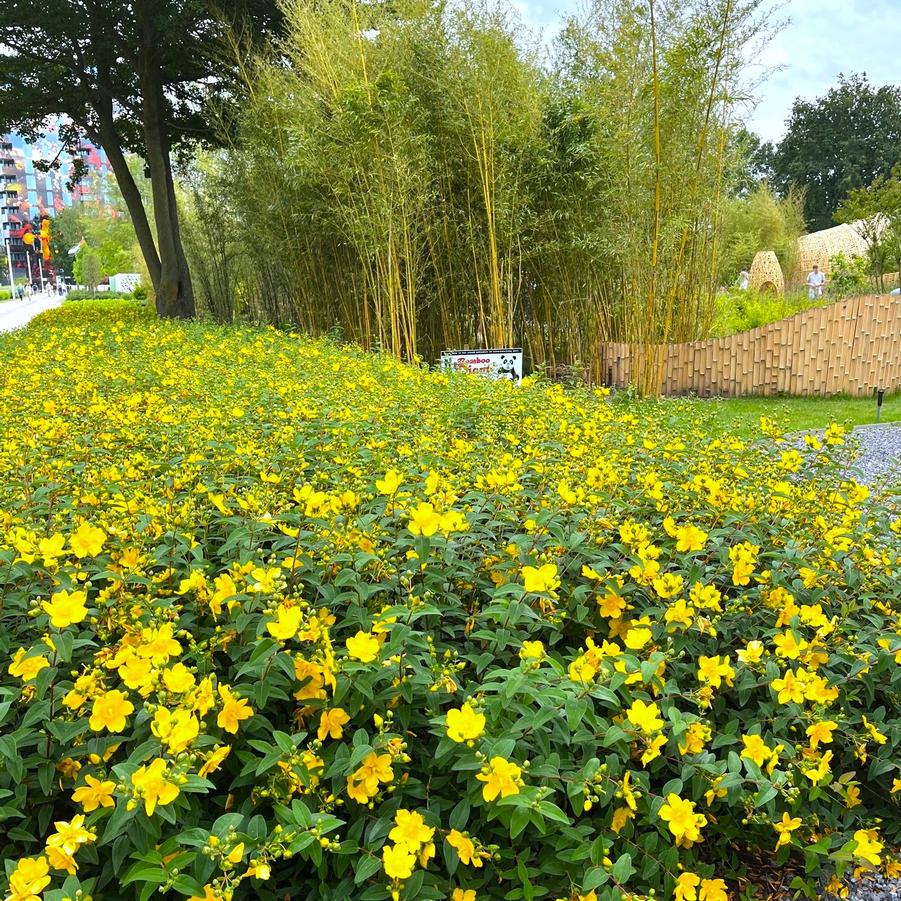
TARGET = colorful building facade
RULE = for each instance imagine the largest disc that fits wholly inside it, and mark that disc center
(26, 193)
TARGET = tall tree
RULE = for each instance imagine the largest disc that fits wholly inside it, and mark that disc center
(837, 143)
(131, 76)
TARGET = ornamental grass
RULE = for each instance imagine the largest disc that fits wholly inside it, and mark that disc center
(283, 619)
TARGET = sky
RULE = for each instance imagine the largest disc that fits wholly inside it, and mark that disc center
(821, 39)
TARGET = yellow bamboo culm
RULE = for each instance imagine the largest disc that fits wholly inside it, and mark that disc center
(849, 347)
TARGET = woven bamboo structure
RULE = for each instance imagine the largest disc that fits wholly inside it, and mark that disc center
(850, 347)
(818, 247)
(766, 273)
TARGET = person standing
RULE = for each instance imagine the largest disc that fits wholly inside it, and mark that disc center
(815, 282)
(744, 279)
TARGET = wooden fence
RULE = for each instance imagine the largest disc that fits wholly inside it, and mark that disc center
(850, 347)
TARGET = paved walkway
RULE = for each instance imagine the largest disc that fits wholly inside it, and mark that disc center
(16, 313)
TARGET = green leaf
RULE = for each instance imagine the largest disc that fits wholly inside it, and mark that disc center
(623, 869)
(367, 865)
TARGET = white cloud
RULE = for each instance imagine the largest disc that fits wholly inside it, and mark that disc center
(823, 39)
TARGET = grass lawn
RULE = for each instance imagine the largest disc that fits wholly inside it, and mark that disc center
(741, 415)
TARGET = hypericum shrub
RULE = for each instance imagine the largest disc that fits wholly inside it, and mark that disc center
(283, 620)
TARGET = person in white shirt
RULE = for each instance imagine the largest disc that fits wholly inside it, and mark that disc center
(815, 282)
(744, 279)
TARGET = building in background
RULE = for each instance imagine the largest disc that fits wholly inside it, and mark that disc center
(27, 193)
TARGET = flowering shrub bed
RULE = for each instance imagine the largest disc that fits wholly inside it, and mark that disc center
(283, 620)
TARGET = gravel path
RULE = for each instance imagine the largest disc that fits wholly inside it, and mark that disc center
(880, 453)
(16, 313)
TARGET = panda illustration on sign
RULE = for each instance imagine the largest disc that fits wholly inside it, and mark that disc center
(507, 368)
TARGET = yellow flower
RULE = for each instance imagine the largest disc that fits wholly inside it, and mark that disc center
(460, 894)
(645, 717)
(668, 585)
(398, 862)
(713, 670)
(225, 588)
(27, 668)
(637, 635)
(682, 821)
(652, 752)
(178, 679)
(424, 520)
(788, 645)
(176, 730)
(87, 541)
(502, 778)
(689, 538)
(875, 734)
(150, 782)
(818, 773)
(611, 605)
(680, 612)
(464, 723)
(363, 647)
(69, 837)
(621, 816)
(465, 848)
(158, 644)
(68, 767)
(713, 890)
(29, 879)
(363, 784)
(686, 887)
(234, 710)
(65, 608)
(61, 860)
(752, 652)
(94, 794)
(52, 548)
(821, 733)
(756, 749)
(331, 723)
(694, 739)
(869, 847)
(532, 650)
(258, 870)
(542, 579)
(390, 483)
(214, 761)
(287, 622)
(789, 688)
(786, 828)
(109, 711)
(202, 699)
(410, 830)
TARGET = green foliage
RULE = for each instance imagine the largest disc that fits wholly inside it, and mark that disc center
(639, 613)
(875, 211)
(102, 296)
(417, 179)
(738, 311)
(88, 268)
(760, 221)
(140, 78)
(849, 275)
(837, 143)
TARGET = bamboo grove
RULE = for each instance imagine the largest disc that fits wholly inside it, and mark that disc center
(415, 176)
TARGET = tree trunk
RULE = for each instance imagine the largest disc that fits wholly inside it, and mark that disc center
(107, 138)
(175, 293)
